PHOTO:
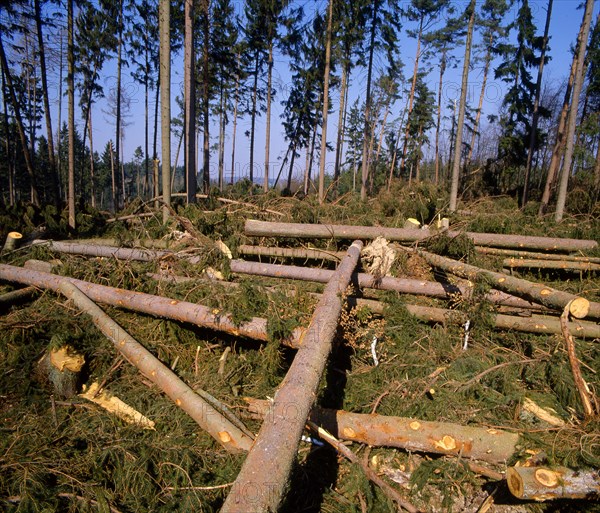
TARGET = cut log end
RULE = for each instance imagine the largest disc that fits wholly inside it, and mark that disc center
(515, 483)
(579, 307)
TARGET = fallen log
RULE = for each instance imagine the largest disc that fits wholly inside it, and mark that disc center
(363, 280)
(209, 419)
(564, 265)
(158, 306)
(256, 228)
(530, 254)
(74, 248)
(471, 442)
(261, 483)
(541, 483)
(16, 296)
(535, 292)
(305, 253)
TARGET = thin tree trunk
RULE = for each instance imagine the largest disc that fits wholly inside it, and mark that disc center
(438, 124)
(113, 178)
(19, 121)
(253, 119)
(190, 103)
(206, 94)
(92, 171)
(323, 155)
(7, 145)
(121, 200)
(577, 87)
(367, 128)
(341, 123)
(268, 128)
(146, 188)
(71, 95)
(486, 70)
(44, 75)
(461, 111)
(411, 96)
(155, 169)
(235, 115)
(165, 101)
(269, 462)
(221, 139)
(536, 106)
(557, 151)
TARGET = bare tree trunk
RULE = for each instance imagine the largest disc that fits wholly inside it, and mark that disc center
(253, 119)
(438, 124)
(235, 115)
(486, 70)
(113, 178)
(269, 462)
(323, 155)
(7, 144)
(557, 151)
(165, 101)
(155, 169)
(19, 122)
(190, 103)
(71, 95)
(268, 128)
(341, 124)
(221, 140)
(577, 87)
(44, 75)
(367, 128)
(536, 106)
(461, 111)
(411, 96)
(92, 176)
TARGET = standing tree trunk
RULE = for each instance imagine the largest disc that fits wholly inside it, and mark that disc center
(19, 121)
(411, 96)
(235, 115)
(439, 116)
(557, 150)
(253, 119)
(365, 156)
(155, 172)
(341, 123)
(577, 86)
(121, 200)
(268, 128)
(325, 105)
(71, 95)
(461, 111)
(92, 173)
(486, 70)
(221, 137)
(165, 101)
(536, 106)
(51, 158)
(190, 103)
(206, 94)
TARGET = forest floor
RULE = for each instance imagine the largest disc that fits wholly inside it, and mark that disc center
(68, 454)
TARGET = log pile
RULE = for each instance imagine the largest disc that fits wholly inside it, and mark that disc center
(273, 451)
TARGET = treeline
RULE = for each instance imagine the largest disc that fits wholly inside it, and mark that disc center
(540, 137)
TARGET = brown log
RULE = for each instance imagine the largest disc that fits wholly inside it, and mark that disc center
(305, 253)
(331, 231)
(515, 253)
(565, 265)
(209, 419)
(16, 296)
(174, 309)
(262, 480)
(401, 285)
(471, 442)
(541, 484)
(525, 289)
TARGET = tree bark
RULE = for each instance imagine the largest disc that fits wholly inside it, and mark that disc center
(536, 106)
(270, 460)
(190, 103)
(268, 127)
(71, 96)
(167, 308)
(256, 228)
(572, 119)
(471, 442)
(323, 155)
(341, 123)
(209, 419)
(164, 17)
(461, 112)
(525, 289)
(540, 256)
(401, 285)
(540, 483)
(438, 124)
(313, 254)
(530, 263)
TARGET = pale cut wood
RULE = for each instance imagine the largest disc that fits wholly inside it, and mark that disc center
(525, 289)
(471, 442)
(75, 248)
(12, 241)
(209, 419)
(541, 484)
(515, 253)
(565, 265)
(262, 481)
(363, 280)
(182, 311)
(256, 228)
